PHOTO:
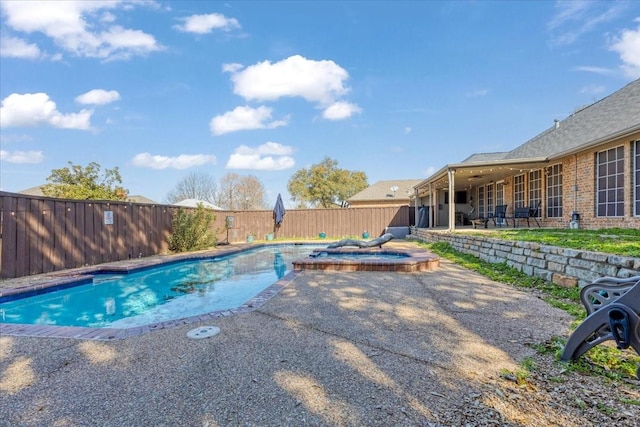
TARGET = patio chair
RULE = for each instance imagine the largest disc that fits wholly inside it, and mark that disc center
(499, 215)
(535, 212)
(613, 313)
(526, 212)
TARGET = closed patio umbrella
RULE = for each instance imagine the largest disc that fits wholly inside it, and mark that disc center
(278, 213)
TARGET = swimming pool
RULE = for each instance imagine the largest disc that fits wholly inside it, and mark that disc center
(157, 294)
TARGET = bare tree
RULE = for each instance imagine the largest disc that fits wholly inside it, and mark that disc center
(196, 185)
(239, 192)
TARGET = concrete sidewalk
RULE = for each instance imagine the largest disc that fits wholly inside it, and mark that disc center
(333, 348)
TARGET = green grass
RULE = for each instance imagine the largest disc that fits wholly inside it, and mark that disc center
(602, 360)
(620, 241)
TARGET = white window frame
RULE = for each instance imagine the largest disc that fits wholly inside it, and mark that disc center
(609, 189)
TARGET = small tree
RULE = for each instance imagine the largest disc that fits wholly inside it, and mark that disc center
(325, 185)
(196, 185)
(85, 183)
(241, 192)
(192, 230)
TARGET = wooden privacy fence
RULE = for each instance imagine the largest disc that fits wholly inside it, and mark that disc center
(309, 223)
(41, 235)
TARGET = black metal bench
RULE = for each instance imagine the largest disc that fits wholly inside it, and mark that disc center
(613, 313)
(526, 212)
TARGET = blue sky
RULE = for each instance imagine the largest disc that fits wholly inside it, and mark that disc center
(394, 89)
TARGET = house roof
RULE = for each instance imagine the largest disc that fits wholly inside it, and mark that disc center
(33, 191)
(141, 199)
(613, 116)
(485, 157)
(193, 203)
(37, 191)
(381, 191)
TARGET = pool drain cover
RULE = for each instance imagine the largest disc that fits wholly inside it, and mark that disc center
(203, 332)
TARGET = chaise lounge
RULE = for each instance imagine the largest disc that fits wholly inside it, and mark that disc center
(378, 241)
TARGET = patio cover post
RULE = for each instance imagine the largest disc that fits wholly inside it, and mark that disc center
(452, 206)
(415, 207)
(432, 206)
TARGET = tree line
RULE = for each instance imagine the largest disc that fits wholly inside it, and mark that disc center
(321, 185)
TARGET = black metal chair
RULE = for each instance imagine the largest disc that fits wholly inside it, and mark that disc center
(499, 215)
(527, 212)
(535, 212)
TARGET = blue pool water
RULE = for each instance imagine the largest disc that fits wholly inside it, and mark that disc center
(172, 291)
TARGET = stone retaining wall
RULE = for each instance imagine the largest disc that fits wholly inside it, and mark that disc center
(564, 267)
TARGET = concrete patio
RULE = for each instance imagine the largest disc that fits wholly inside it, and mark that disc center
(332, 348)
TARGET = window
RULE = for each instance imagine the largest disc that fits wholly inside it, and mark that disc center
(518, 191)
(610, 182)
(481, 202)
(535, 188)
(554, 191)
(499, 193)
(490, 198)
(636, 177)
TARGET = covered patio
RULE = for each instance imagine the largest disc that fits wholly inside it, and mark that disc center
(479, 185)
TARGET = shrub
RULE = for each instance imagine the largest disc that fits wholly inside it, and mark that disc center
(192, 230)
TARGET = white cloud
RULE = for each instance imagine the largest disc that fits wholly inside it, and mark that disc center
(232, 67)
(316, 81)
(407, 130)
(21, 156)
(108, 17)
(203, 24)
(593, 89)
(36, 109)
(628, 46)
(573, 19)
(340, 110)
(79, 27)
(12, 47)
(122, 43)
(268, 156)
(429, 171)
(478, 92)
(596, 70)
(8, 138)
(244, 118)
(183, 161)
(98, 97)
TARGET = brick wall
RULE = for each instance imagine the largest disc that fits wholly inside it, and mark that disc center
(564, 267)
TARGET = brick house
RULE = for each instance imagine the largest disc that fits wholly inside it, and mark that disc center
(584, 172)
